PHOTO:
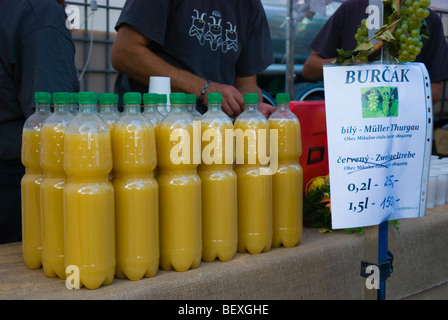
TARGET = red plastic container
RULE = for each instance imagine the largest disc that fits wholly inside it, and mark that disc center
(314, 159)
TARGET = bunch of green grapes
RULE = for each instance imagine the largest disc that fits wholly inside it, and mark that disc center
(373, 101)
(408, 42)
(386, 104)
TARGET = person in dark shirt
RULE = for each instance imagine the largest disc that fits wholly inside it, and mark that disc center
(339, 33)
(36, 54)
(203, 46)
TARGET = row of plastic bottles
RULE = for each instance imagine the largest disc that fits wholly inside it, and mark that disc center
(90, 197)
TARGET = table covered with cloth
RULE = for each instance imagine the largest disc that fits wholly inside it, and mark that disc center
(322, 266)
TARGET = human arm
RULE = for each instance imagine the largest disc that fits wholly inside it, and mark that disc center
(249, 85)
(313, 66)
(242, 85)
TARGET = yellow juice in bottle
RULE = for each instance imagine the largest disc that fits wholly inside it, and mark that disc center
(52, 186)
(179, 190)
(287, 181)
(136, 192)
(218, 184)
(30, 184)
(89, 196)
(254, 188)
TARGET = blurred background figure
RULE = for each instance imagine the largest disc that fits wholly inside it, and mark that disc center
(36, 54)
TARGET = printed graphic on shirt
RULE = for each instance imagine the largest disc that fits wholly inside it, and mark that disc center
(211, 30)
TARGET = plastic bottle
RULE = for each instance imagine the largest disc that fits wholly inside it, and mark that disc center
(30, 184)
(74, 107)
(161, 104)
(108, 109)
(136, 192)
(219, 185)
(254, 188)
(89, 196)
(52, 186)
(287, 181)
(179, 190)
(191, 107)
(150, 111)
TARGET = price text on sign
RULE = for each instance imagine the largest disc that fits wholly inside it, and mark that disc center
(385, 202)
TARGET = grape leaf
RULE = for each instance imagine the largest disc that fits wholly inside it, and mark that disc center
(386, 36)
(364, 47)
(343, 55)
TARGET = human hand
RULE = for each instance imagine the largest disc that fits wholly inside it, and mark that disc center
(266, 109)
(232, 99)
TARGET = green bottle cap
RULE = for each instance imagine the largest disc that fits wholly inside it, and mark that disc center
(162, 98)
(87, 97)
(73, 97)
(107, 98)
(61, 98)
(115, 98)
(150, 98)
(251, 98)
(215, 97)
(42, 97)
(283, 98)
(177, 97)
(191, 99)
(132, 98)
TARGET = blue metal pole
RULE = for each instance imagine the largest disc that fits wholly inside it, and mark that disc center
(382, 255)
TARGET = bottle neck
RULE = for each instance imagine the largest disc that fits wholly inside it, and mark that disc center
(61, 108)
(73, 108)
(107, 108)
(87, 108)
(283, 106)
(150, 107)
(43, 107)
(214, 107)
(131, 108)
(251, 106)
(177, 108)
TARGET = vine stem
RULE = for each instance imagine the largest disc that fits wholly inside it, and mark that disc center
(391, 28)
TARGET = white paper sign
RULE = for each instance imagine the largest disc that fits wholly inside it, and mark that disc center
(379, 128)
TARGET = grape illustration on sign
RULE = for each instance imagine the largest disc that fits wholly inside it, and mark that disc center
(378, 102)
